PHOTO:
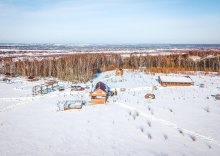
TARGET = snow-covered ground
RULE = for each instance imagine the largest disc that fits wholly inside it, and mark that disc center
(180, 121)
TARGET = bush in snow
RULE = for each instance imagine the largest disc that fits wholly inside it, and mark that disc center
(165, 136)
(193, 137)
(207, 109)
(181, 132)
(137, 113)
(142, 129)
(152, 113)
(149, 136)
(149, 123)
(134, 116)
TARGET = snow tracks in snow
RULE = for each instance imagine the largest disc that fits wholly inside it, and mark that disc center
(165, 122)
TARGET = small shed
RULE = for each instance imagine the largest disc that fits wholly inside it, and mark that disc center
(150, 96)
(32, 78)
(201, 85)
(119, 72)
(71, 104)
(217, 97)
(100, 93)
(175, 81)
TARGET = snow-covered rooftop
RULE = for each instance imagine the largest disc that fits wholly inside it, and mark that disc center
(176, 79)
(73, 104)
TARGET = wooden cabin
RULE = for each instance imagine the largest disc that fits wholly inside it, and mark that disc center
(119, 72)
(175, 81)
(100, 93)
(149, 96)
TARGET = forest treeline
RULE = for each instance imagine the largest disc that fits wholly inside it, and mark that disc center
(82, 67)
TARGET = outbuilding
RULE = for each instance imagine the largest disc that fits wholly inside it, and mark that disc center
(32, 78)
(70, 104)
(201, 85)
(119, 72)
(149, 96)
(175, 81)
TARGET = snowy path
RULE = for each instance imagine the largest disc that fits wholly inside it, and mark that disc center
(6, 109)
(165, 122)
(16, 99)
(27, 101)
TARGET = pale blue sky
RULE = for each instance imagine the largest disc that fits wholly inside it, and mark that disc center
(110, 21)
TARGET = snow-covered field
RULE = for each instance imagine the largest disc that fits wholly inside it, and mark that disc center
(180, 121)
